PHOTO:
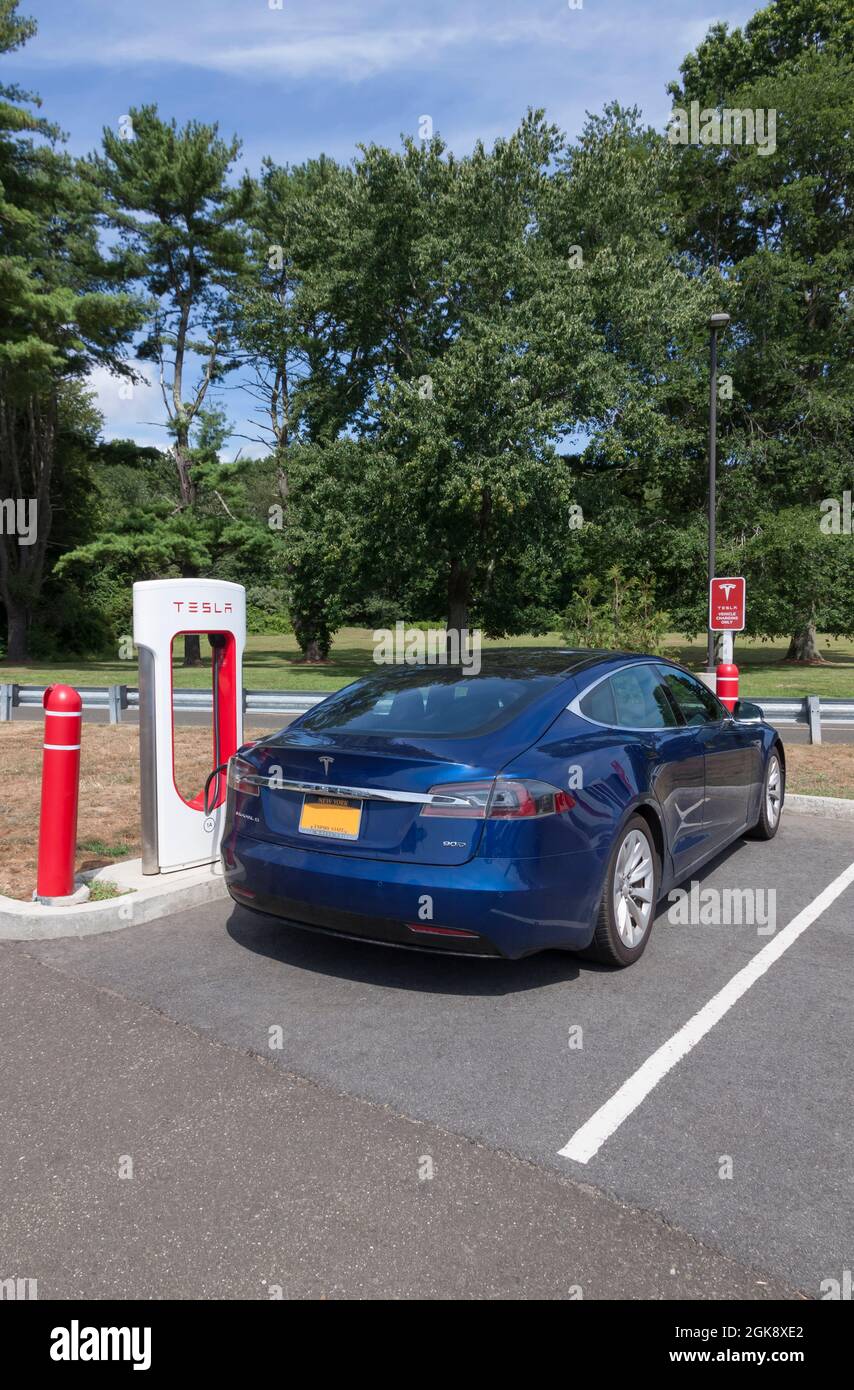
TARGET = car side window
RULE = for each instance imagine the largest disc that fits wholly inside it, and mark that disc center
(598, 704)
(641, 700)
(695, 700)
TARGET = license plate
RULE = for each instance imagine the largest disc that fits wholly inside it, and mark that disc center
(336, 817)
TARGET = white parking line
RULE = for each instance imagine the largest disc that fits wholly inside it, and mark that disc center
(589, 1139)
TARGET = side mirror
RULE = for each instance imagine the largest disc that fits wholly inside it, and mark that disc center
(746, 710)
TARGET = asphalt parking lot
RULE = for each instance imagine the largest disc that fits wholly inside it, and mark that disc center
(305, 1163)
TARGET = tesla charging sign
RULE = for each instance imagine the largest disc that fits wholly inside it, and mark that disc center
(727, 604)
(178, 830)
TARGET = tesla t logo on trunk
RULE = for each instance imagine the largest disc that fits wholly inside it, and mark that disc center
(327, 763)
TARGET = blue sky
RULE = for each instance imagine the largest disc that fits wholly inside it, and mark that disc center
(294, 77)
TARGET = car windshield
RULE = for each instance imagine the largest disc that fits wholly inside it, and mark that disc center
(445, 703)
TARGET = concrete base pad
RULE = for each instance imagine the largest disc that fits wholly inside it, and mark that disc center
(834, 807)
(80, 895)
(144, 898)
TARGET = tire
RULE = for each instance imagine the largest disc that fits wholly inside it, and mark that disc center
(622, 930)
(773, 797)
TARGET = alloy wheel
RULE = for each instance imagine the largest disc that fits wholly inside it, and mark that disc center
(773, 792)
(633, 888)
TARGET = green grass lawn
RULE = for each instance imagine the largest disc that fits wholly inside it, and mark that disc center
(271, 663)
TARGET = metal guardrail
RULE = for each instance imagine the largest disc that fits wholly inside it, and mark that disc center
(116, 698)
(810, 711)
(281, 701)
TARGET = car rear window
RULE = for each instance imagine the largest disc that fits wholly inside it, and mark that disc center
(447, 703)
(598, 704)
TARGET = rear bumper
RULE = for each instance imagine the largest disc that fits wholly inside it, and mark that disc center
(506, 908)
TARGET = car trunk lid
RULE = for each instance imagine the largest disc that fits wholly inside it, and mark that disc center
(362, 797)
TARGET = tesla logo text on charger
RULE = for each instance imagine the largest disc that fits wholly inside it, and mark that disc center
(200, 606)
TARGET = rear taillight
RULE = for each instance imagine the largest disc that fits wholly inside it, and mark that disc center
(528, 798)
(239, 774)
(459, 800)
(504, 799)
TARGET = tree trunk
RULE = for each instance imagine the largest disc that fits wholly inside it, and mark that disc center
(459, 594)
(28, 433)
(313, 651)
(803, 645)
(19, 632)
(185, 479)
(192, 649)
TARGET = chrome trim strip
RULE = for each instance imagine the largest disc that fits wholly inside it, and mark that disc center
(659, 664)
(288, 784)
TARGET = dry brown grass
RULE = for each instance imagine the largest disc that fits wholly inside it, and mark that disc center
(826, 770)
(109, 791)
(109, 795)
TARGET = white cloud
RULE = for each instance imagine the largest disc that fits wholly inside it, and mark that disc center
(130, 411)
(299, 40)
(344, 43)
(349, 41)
(135, 412)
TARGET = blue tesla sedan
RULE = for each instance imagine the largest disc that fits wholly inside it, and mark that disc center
(550, 800)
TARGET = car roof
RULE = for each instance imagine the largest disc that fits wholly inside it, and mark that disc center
(527, 661)
(547, 661)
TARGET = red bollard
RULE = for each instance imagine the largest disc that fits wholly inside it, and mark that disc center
(727, 684)
(60, 784)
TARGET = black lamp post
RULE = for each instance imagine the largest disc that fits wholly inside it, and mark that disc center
(717, 323)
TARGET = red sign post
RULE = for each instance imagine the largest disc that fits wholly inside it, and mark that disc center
(727, 604)
(727, 684)
(727, 601)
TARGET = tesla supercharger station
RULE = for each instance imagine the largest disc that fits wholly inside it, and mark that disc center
(177, 832)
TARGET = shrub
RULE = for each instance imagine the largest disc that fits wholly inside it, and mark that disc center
(618, 613)
(266, 610)
(71, 626)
